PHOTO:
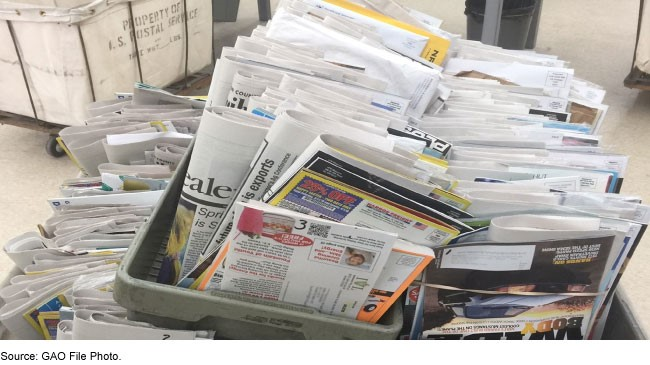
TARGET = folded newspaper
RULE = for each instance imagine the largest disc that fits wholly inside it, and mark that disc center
(210, 184)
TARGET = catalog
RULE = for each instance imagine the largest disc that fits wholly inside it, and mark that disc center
(323, 197)
(405, 263)
(286, 256)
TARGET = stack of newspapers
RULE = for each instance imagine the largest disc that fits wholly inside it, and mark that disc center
(126, 153)
(352, 153)
(77, 243)
(137, 130)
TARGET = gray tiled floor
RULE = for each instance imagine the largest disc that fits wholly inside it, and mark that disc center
(596, 36)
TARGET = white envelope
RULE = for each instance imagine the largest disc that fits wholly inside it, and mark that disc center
(404, 77)
(555, 81)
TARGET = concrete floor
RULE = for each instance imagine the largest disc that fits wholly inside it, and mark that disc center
(596, 36)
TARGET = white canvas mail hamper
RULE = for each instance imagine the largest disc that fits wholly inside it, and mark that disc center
(56, 56)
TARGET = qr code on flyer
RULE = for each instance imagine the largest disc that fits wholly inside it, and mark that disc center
(319, 230)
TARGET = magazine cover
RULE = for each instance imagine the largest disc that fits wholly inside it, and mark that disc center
(515, 291)
(468, 315)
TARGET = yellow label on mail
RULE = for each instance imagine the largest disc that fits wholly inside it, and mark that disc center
(435, 49)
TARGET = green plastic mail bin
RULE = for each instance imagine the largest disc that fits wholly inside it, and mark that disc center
(230, 315)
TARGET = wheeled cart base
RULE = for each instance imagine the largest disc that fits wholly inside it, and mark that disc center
(51, 146)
